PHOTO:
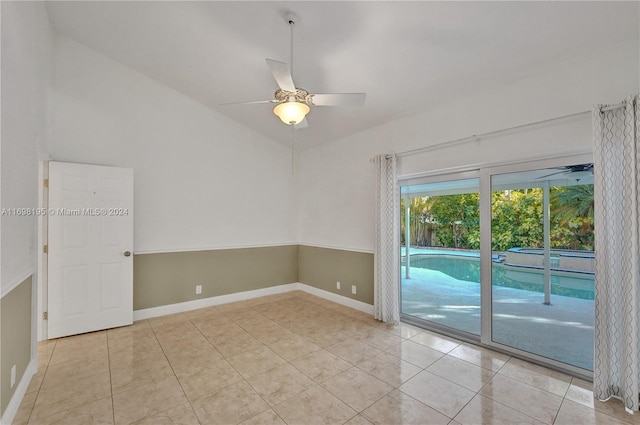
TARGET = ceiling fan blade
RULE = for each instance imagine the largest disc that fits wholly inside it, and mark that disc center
(339, 99)
(552, 174)
(280, 71)
(302, 124)
(249, 103)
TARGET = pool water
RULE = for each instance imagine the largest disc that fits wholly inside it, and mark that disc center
(466, 268)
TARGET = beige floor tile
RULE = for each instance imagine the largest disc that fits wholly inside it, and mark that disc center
(271, 336)
(581, 392)
(390, 369)
(293, 347)
(263, 324)
(311, 360)
(353, 351)
(133, 344)
(255, 361)
(479, 356)
(44, 356)
(358, 420)
(268, 417)
(399, 408)
(324, 338)
(24, 411)
(238, 344)
(78, 351)
(204, 355)
(59, 396)
(98, 338)
(230, 405)
(147, 400)
(438, 393)
(182, 414)
(217, 333)
(357, 388)
(77, 368)
(537, 376)
(436, 342)
(573, 413)
(462, 373)
(482, 410)
(183, 343)
(99, 412)
(314, 406)
(407, 331)
(380, 339)
(415, 353)
(245, 314)
(36, 381)
(125, 377)
(280, 383)
(524, 398)
(320, 365)
(198, 381)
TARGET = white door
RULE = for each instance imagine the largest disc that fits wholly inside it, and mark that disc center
(90, 248)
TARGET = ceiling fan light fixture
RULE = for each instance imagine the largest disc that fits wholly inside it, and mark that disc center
(291, 112)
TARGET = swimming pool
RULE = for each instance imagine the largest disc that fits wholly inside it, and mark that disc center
(466, 268)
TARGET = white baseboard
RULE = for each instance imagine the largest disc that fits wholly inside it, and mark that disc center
(164, 310)
(336, 298)
(14, 404)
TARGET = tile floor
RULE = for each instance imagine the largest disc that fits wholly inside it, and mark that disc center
(294, 359)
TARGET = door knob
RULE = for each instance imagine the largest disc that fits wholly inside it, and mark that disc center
(127, 253)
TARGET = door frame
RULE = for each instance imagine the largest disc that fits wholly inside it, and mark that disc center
(436, 178)
(43, 238)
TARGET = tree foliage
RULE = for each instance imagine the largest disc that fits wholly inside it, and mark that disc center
(453, 221)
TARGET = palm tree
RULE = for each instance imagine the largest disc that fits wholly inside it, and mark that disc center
(572, 216)
(568, 202)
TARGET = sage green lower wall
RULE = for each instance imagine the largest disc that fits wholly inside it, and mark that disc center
(323, 267)
(171, 278)
(15, 338)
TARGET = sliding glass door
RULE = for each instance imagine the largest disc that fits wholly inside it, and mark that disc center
(440, 228)
(504, 256)
(542, 281)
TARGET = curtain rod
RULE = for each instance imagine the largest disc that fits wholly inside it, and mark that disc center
(492, 133)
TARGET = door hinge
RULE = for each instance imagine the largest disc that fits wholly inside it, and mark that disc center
(45, 249)
(45, 315)
(46, 182)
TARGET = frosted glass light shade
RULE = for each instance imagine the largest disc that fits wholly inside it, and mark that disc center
(291, 112)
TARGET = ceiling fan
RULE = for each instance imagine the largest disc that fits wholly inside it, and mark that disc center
(294, 103)
(577, 172)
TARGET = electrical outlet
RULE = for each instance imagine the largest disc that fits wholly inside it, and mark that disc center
(13, 376)
(353, 289)
(337, 285)
(198, 289)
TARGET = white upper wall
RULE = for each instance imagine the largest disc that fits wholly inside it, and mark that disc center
(335, 186)
(202, 181)
(26, 65)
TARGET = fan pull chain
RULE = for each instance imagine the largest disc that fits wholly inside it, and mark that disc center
(291, 24)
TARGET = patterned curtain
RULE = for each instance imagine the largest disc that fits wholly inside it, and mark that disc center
(386, 267)
(617, 242)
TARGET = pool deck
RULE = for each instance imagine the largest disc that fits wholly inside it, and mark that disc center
(562, 331)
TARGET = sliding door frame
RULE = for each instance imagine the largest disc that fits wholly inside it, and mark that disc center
(437, 178)
(484, 173)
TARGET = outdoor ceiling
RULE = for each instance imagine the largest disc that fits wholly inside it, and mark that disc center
(407, 56)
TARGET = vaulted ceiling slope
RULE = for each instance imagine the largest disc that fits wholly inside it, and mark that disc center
(407, 56)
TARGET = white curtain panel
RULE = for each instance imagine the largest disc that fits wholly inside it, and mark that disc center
(386, 267)
(617, 244)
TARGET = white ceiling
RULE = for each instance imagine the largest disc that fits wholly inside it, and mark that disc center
(407, 56)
